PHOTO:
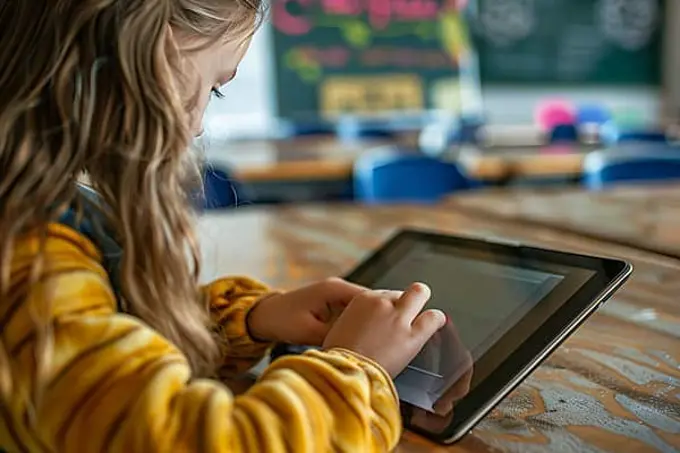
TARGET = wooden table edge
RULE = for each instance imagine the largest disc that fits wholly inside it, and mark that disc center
(486, 168)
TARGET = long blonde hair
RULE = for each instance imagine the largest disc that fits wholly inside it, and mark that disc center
(92, 87)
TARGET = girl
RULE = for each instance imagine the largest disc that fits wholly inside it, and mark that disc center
(107, 342)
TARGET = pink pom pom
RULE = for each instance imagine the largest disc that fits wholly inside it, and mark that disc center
(554, 113)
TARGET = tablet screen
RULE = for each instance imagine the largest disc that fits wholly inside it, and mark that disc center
(482, 298)
(484, 294)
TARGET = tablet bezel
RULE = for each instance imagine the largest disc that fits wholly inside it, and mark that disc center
(507, 373)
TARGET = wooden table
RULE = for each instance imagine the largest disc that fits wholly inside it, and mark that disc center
(319, 158)
(613, 386)
(306, 159)
(643, 216)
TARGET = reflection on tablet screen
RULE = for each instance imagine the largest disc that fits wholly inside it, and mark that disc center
(483, 301)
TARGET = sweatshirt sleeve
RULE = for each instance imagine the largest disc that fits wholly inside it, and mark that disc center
(230, 301)
(115, 385)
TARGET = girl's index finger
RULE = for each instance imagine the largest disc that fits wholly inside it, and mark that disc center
(412, 302)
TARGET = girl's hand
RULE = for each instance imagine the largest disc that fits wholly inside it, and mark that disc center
(303, 316)
(387, 326)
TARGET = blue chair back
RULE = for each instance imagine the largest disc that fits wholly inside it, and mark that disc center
(221, 190)
(392, 176)
(563, 133)
(609, 167)
(642, 136)
(295, 129)
(592, 114)
(611, 134)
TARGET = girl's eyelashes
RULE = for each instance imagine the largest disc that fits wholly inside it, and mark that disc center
(216, 92)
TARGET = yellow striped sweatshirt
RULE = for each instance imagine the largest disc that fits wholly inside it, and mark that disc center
(115, 385)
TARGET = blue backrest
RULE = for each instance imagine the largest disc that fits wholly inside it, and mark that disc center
(611, 134)
(563, 133)
(389, 176)
(296, 129)
(634, 164)
(221, 191)
(592, 114)
(642, 136)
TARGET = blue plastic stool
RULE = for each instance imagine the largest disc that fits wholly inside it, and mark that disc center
(221, 191)
(592, 114)
(563, 133)
(392, 176)
(609, 167)
(611, 134)
(293, 129)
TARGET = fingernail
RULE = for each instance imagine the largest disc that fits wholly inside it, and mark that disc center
(443, 315)
(420, 287)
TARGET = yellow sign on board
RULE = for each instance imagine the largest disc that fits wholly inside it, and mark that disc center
(371, 94)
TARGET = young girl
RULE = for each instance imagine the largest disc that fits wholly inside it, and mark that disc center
(107, 342)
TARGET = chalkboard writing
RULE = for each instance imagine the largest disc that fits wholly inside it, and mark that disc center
(600, 42)
(364, 56)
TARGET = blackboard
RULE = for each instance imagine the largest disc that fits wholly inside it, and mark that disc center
(334, 57)
(579, 42)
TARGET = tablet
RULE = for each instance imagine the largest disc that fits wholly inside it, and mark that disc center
(508, 305)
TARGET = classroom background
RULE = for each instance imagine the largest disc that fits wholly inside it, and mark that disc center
(333, 93)
(550, 123)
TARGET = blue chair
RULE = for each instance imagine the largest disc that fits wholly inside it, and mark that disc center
(592, 114)
(611, 134)
(220, 190)
(293, 129)
(391, 175)
(563, 133)
(437, 137)
(628, 165)
(642, 136)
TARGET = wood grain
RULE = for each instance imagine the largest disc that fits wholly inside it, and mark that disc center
(645, 217)
(613, 386)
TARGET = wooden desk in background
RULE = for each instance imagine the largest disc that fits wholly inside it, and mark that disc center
(303, 159)
(315, 158)
(642, 216)
(613, 386)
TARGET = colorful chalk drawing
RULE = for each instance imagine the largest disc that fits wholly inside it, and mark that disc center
(454, 35)
(371, 94)
(305, 65)
(423, 19)
(359, 34)
(629, 23)
(380, 14)
(504, 22)
(446, 95)
(366, 55)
